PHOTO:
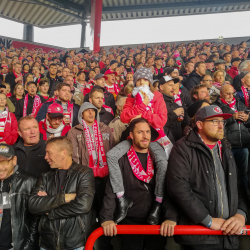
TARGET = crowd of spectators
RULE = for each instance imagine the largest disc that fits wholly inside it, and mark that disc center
(152, 135)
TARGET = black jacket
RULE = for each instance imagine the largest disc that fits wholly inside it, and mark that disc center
(24, 225)
(193, 80)
(73, 216)
(52, 84)
(141, 193)
(10, 78)
(185, 97)
(173, 125)
(105, 116)
(236, 132)
(109, 98)
(34, 163)
(43, 110)
(14, 100)
(20, 104)
(190, 182)
(237, 83)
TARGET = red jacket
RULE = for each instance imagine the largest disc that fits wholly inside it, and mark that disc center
(10, 131)
(233, 72)
(157, 116)
(42, 129)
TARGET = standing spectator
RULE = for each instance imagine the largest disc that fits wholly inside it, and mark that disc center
(96, 97)
(244, 66)
(14, 76)
(18, 93)
(209, 67)
(128, 68)
(199, 92)
(30, 149)
(43, 88)
(111, 84)
(27, 78)
(53, 125)
(227, 57)
(36, 74)
(202, 181)
(53, 79)
(64, 99)
(236, 129)
(158, 67)
(28, 105)
(195, 76)
(18, 227)
(234, 70)
(244, 92)
(221, 65)
(212, 90)
(63, 198)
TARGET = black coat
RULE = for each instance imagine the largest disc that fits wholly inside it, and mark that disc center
(173, 125)
(105, 116)
(34, 163)
(10, 78)
(52, 84)
(194, 79)
(237, 83)
(141, 193)
(24, 225)
(185, 97)
(74, 216)
(14, 100)
(236, 132)
(20, 104)
(190, 182)
(109, 98)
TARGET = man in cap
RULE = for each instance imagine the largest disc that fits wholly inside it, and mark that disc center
(100, 83)
(111, 84)
(158, 67)
(227, 57)
(113, 64)
(209, 67)
(221, 65)
(30, 104)
(53, 125)
(202, 182)
(18, 227)
(176, 115)
(234, 70)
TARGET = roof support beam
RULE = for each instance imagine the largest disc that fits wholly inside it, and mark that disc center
(68, 5)
(28, 33)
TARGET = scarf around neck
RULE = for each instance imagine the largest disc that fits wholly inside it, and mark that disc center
(36, 104)
(232, 104)
(55, 131)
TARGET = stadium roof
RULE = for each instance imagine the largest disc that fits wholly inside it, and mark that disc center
(47, 13)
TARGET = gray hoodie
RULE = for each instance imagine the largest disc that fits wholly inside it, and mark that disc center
(85, 106)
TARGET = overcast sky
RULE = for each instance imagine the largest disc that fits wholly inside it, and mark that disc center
(150, 30)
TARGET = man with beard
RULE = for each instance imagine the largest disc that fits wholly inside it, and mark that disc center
(202, 181)
(139, 179)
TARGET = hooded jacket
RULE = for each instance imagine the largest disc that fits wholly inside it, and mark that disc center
(233, 72)
(78, 139)
(10, 78)
(194, 79)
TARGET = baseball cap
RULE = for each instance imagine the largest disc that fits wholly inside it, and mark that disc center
(236, 59)
(209, 60)
(165, 79)
(98, 76)
(6, 152)
(109, 72)
(209, 112)
(55, 110)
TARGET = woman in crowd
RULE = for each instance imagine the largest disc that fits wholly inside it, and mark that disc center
(26, 69)
(18, 93)
(219, 80)
(44, 88)
(27, 78)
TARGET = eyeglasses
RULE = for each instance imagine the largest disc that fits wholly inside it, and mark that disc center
(216, 122)
(56, 118)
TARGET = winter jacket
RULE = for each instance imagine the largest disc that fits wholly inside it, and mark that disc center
(10, 78)
(78, 139)
(190, 182)
(185, 97)
(233, 72)
(42, 129)
(194, 79)
(13, 100)
(173, 125)
(43, 111)
(108, 97)
(228, 78)
(236, 132)
(24, 225)
(52, 84)
(105, 116)
(10, 105)
(20, 104)
(141, 193)
(10, 131)
(240, 96)
(34, 163)
(237, 83)
(73, 217)
(157, 116)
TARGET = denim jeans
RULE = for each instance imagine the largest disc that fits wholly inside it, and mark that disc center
(241, 160)
(80, 248)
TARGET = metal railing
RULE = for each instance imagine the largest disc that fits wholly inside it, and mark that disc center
(136, 229)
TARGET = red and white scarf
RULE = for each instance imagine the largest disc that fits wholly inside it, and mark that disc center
(37, 78)
(125, 71)
(246, 95)
(217, 85)
(114, 89)
(36, 104)
(3, 119)
(157, 71)
(97, 157)
(177, 98)
(16, 75)
(137, 168)
(232, 104)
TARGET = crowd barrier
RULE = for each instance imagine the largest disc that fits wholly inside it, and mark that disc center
(135, 229)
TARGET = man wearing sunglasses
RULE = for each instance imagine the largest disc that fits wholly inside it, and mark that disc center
(202, 181)
(53, 125)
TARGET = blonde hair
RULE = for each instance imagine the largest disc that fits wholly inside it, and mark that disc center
(216, 73)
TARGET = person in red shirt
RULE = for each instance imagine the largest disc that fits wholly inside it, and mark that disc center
(234, 70)
(110, 85)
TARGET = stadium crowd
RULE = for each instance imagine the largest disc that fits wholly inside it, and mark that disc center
(152, 135)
